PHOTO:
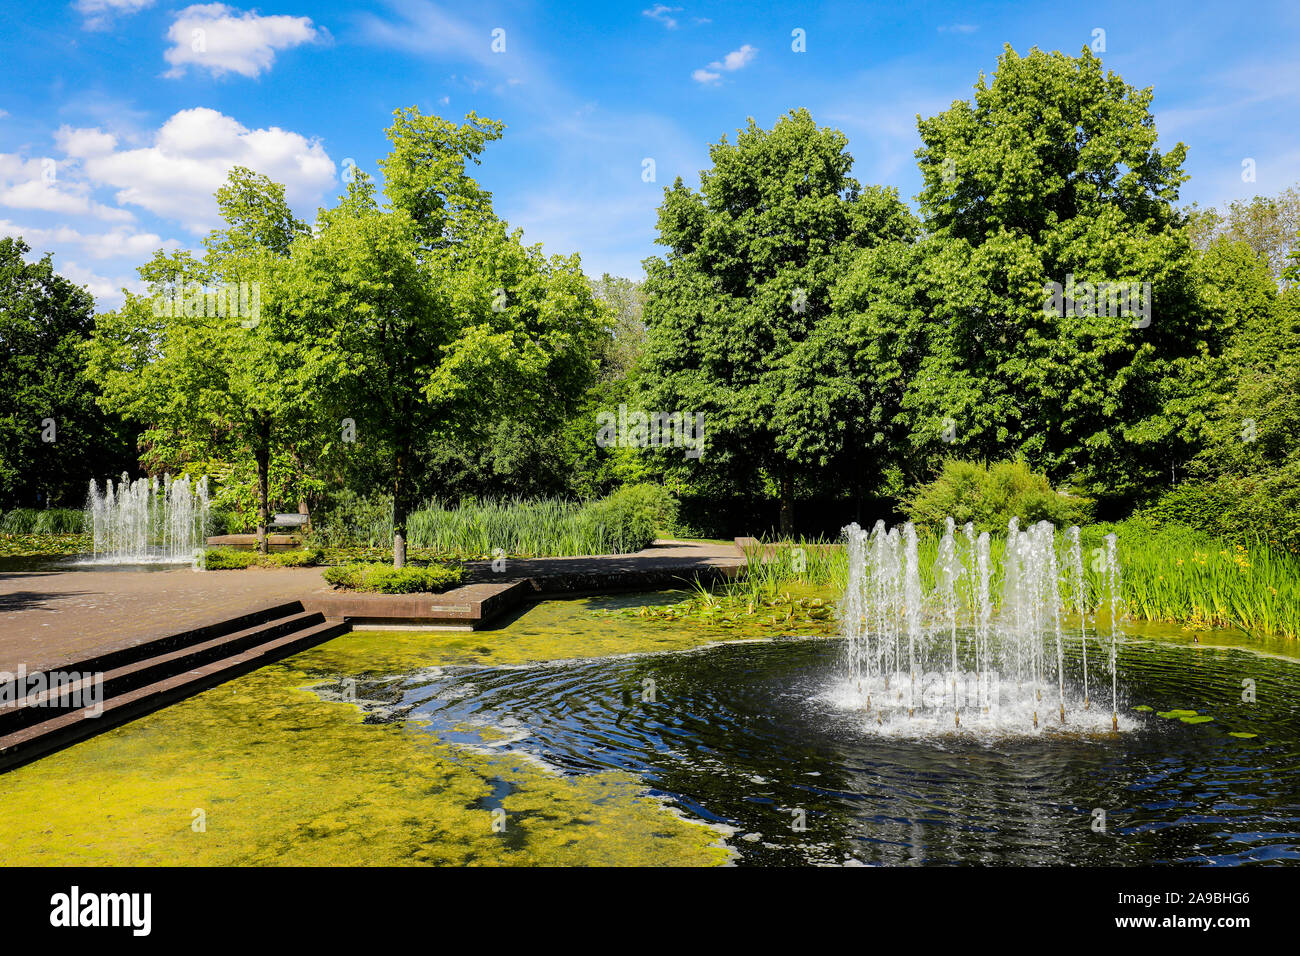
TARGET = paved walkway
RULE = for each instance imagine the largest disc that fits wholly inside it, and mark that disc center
(51, 618)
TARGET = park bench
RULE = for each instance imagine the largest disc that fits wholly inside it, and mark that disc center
(290, 521)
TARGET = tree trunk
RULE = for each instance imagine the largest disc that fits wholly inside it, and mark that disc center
(399, 510)
(787, 506)
(263, 455)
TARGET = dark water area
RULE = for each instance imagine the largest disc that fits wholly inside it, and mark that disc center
(746, 735)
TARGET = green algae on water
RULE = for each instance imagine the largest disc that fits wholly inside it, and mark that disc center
(281, 777)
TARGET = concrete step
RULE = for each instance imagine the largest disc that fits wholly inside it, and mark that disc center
(46, 704)
(186, 678)
(163, 645)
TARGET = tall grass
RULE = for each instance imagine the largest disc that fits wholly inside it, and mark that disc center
(1173, 574)
(625, 521)
(43, 521)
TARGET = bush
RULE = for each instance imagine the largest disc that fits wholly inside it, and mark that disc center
(224, 560)
(990, 496)
(631, 517)
(386, 579)
(1241, 510)
(231, 560)
(301, 558)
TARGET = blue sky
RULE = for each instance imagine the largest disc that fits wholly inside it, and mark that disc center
(119, 119)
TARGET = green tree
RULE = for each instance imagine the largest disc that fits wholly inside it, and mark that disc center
(737, 312)
(1052, 171)
(203, 359)
(426, 322)
(625, 337)
(53, 436)
(1267, 224)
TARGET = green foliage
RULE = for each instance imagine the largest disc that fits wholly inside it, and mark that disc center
(300, 558)
(738, 313)
(624, 337)
(224, 559)
(631, 517)
(1244, 484)
(1051, 171)
(1267, 225)
(476, 529)
(234, 494)
(42, 521)
(1177, 573)
(212, 386)
(428, 322)
(990, 496)
(53, 436)
(42, 545)
(390, 580)
(229, 559)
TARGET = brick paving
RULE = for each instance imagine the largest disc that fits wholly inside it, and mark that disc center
(52, 618)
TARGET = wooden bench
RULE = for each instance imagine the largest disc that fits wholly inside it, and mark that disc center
(290, 521)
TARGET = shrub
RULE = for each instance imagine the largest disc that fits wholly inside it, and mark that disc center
(301, 558)
(226, 560)
(631, 517)
(990, 496)
(221, 559)
(386, 579)
(1242, 510)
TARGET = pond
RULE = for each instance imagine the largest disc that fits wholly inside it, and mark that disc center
(575, 735)
(750, 735)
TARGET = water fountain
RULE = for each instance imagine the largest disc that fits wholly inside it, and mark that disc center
(922, 658)
(147, 521)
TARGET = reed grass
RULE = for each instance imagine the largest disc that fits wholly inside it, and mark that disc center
(43, 521)
(478, 529)
(1172, 574)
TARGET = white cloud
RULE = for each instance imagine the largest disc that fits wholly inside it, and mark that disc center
(221, 39)
(107, 291)
(99, 13)
(735, 60)
(191, 156)
(664, 14)
(136, 246)
(38, 184)
(959, 28)
(84, 142)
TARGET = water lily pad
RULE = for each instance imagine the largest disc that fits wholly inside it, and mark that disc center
(1176, 713)
(1242, 734)
(1144, 708)
(1195, 720)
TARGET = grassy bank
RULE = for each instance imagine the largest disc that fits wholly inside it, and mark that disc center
(1172, 574)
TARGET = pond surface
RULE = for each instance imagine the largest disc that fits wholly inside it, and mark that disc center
(748, 735)
(580, 725)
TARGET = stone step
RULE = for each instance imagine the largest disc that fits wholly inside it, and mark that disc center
(46, 704)
(67, 727)
(171, 642)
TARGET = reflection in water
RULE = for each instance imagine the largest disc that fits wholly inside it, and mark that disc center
(750, 735)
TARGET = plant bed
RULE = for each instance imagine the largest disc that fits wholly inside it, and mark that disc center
(222, 560)
(386, 579)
